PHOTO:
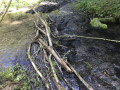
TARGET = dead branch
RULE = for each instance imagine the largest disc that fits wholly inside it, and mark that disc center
(53, 69)
(36, 69)
(56, 55)
(40, 29)
(58, 86)
(96, 38)
(60, 60)
(46, 27)
(50, 48)
(80, 78)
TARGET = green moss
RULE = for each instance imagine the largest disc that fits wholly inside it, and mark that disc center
(97, 24)
(103, 26)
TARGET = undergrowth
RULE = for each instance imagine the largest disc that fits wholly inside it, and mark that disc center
(100, 8)
(18, 74)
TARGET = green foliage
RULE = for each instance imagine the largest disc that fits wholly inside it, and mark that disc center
(20, 75)
(100, 8)
(22, 3)
(5, 74)
(19, 3)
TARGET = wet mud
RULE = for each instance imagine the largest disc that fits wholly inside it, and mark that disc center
(97, 61)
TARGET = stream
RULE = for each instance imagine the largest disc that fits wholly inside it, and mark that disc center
(97, 61)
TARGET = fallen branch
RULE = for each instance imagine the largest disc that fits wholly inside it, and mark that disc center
(58, 86)
(76, 36)
(36, 69)
(46, 35)
(56, 55)
(80, 78)
(46, 28)
(50, 48)
(40, 29)
(53, 69)
(60, 60)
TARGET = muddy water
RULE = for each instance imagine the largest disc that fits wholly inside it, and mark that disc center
(15, 35)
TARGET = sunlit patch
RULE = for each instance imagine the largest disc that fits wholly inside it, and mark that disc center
(7, 22)
(14, 10)
(16, 22)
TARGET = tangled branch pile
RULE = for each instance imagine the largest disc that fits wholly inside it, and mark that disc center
(50, 61)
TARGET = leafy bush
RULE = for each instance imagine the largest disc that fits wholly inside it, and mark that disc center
(5, 74)
(20, 75)
(101, 8)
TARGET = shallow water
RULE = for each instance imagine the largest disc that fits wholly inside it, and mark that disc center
(15, 36)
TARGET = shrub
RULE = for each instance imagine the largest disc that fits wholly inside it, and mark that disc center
(100, 8)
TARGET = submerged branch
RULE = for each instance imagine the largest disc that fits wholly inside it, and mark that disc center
(80, 78)
(53, 69)
(36, 69)
(60, 60)
(50, 48)
(77, 36)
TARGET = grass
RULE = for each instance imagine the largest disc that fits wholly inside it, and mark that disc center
(19, 75)
(100, 8)
(5, 74)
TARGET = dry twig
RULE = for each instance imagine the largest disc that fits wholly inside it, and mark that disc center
(35, 67)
